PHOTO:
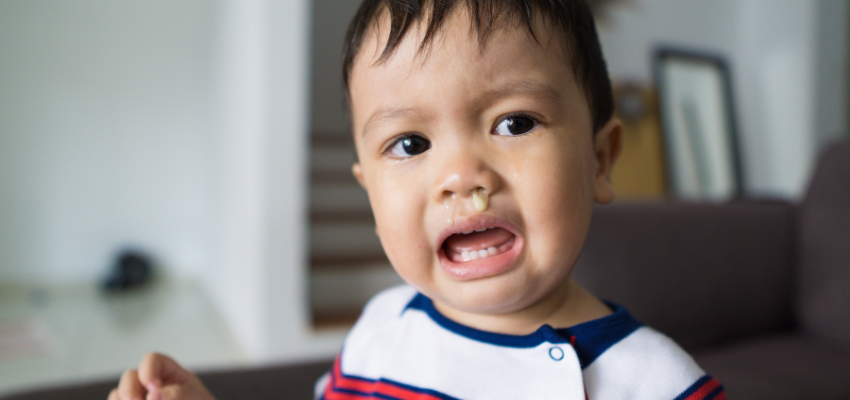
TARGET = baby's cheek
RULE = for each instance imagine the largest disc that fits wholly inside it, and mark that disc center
(397, 230)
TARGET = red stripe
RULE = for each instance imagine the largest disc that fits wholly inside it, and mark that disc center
(368, 387)
(330, 394)
(706, 388)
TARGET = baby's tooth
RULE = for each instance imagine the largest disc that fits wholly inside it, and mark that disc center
(492, 251)
(482, 253)
(467, 232)
(473, 255)
(481, 230)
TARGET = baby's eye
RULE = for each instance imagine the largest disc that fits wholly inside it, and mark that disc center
(515, 125)
(409, 146)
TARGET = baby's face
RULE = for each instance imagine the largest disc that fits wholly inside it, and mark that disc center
(432, 129)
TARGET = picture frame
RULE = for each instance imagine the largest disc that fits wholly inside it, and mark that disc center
(698, 125)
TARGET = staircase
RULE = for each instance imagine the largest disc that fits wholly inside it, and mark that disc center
(347, 263)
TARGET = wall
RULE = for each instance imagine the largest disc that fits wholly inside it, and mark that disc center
(789, 68)
(104, 135)
(833, 70)
(179, 127)
(259, 274)
(330, 20)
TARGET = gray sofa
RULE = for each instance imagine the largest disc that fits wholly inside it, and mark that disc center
(757, 291)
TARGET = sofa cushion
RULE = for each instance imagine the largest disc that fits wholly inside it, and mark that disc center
(824, 284)
(792, 366)
(701, 273)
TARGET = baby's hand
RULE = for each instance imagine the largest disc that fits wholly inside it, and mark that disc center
(159, 378)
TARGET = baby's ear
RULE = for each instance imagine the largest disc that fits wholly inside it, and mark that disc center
(607, 148)
(358, 173)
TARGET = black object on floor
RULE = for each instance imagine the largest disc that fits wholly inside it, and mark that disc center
(132, 269)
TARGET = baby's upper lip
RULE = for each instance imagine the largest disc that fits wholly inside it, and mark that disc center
(472, 223)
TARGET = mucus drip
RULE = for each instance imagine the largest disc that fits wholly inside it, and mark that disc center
(480, 199)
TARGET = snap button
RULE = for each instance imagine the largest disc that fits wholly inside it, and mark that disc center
(556, 353)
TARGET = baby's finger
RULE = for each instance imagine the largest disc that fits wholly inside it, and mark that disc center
(129, 388)
(157, 370)
(113, 395)
(173, 392)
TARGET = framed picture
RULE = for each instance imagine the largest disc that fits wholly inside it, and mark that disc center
(698, 125)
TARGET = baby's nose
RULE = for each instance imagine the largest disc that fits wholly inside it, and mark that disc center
(467, 176)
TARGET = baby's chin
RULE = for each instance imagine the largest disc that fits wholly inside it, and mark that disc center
(515, 305)
(484, 299)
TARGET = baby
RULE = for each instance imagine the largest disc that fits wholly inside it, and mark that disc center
(484, 134)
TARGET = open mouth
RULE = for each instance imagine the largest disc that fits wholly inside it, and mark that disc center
(478, 244)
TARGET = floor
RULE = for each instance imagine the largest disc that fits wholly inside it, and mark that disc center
(63, 334)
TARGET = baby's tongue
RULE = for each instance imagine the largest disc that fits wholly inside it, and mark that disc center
(478, 240)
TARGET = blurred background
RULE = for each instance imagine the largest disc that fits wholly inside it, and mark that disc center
(209, 139)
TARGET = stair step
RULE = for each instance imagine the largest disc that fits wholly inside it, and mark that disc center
(332, 320)
(332, 139)
(347, 264)
(339, 198)
(338, 294)
(344, 240)
(332, 156)
(342, 217)
(323, 262)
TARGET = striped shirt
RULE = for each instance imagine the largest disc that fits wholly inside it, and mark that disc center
(403, 348)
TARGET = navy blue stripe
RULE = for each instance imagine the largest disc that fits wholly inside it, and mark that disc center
(542, 335)
(421, 390)
(592, 338)
(349, 391)
(369, 395)
(714, 393)
(696, 386)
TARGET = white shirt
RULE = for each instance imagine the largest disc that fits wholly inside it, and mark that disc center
(403, 348)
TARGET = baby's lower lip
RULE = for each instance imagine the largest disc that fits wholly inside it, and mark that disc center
(481, 267)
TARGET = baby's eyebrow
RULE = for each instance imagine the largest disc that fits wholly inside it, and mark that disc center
(523, 87)
(386, 114)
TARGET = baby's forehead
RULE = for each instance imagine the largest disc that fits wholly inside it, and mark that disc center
(458, 50)
(384, 41)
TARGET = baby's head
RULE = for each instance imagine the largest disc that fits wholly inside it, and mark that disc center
(484, 134)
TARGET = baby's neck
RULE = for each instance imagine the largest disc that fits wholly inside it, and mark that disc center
(567, 306)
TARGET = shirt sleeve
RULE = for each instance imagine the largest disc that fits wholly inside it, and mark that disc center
(705, 388)
(321, 385)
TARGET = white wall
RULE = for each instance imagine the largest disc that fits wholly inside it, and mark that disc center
(789, 70)
(178, 127)
(104, 135)
(259, 274)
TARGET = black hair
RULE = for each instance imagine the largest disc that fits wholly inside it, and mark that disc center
(572, 18)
